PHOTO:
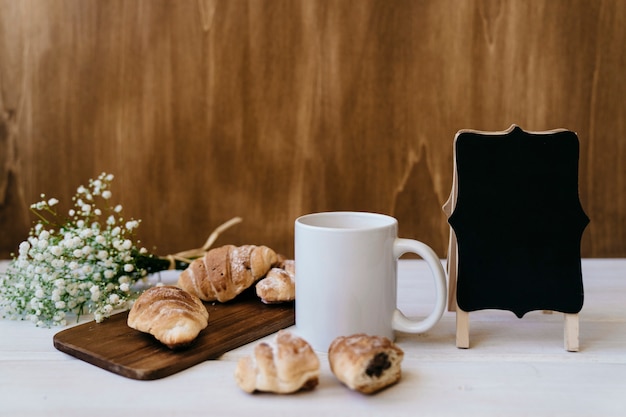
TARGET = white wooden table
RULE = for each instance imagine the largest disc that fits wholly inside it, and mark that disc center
(513, 368)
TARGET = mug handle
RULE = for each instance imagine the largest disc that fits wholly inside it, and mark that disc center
(400, 321)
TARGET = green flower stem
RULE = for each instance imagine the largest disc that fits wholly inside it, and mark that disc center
(153, 264)
(43, 219)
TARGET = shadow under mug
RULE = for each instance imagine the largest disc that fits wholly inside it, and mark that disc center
(346, 277)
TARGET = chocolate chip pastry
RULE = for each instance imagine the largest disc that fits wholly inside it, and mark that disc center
(365, 363)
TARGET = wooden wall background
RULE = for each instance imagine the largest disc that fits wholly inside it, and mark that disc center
(269, 109)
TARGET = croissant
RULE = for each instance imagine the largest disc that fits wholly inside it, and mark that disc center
(173, 316)
(278, 285)
(365, 363)
(223, 273)
(285, 365)
(288, 265)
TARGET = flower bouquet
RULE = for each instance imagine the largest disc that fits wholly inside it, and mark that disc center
(84, 263)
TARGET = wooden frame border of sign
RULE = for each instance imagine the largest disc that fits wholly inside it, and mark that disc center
(571, 321)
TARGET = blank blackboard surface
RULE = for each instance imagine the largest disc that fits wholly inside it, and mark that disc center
(518, 221)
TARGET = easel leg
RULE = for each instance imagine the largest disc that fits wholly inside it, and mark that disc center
(571, 332)
(462, 328)
(452, 270)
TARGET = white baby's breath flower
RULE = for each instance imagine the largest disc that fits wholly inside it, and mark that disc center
(24, 247)
(33, 240)
(85, 263)
(73, 291)
(68, 243)
(57, 263)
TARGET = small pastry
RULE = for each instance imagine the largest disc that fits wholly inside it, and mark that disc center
(224, 272)
(288, 265)
(278, 286)
(283, 366)
(365, 363)
(173, 316)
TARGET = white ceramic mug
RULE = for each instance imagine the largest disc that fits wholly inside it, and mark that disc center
(346, 277)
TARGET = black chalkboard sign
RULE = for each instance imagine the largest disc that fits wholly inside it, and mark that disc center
(518, 221)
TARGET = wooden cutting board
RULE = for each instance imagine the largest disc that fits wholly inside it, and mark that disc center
(114, 346)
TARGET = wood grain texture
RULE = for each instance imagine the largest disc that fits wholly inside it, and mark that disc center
(115, 347)
(208, 109)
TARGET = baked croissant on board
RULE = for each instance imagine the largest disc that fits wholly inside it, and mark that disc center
(279, 284)
(282, 366)
(224, 272)
(173, 316)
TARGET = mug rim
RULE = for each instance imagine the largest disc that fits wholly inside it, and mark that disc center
(323, 221)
